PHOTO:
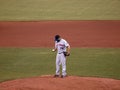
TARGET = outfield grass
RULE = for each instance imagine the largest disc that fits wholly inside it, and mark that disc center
(35, 10)
(30, 62)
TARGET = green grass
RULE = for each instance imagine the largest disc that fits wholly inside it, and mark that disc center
(100, 62)
(29, 62)
(35, 10)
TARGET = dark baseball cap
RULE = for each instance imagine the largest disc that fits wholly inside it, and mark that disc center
(57, 37)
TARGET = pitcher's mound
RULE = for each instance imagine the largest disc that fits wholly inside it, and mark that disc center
(68, 83)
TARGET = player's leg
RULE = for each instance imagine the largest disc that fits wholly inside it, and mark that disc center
(58, 64)
(63, 61)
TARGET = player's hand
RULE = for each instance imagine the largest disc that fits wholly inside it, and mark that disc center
(53, 50)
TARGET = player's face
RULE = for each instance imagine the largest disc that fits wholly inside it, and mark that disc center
(57, 39)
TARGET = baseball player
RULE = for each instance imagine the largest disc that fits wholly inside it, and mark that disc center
(63, 49)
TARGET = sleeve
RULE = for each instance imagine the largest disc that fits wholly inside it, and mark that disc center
(56, 45)
(66, 44)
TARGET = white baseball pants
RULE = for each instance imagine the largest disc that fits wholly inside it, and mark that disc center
(61, 60)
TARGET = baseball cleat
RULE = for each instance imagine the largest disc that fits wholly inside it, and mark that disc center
(62, 76)
(55, 76)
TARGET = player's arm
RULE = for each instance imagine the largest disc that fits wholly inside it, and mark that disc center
(67, 53)
(68, 49)
(55, 49)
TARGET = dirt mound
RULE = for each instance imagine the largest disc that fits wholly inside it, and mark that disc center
(68, 83)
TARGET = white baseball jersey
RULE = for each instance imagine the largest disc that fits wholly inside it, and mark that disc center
(61, 46)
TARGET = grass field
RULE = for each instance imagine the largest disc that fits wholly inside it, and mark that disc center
(30, 62)
(35, 10)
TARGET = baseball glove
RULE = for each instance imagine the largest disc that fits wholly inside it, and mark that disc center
(66, 53)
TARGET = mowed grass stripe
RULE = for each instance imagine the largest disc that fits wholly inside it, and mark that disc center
(29, 62)
(35, 10)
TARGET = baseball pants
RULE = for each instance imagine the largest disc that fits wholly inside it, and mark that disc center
(60, 60)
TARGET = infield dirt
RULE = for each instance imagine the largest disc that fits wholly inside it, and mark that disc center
(68, 83)
(78, 33)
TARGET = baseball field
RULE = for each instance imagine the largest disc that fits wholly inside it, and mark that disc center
(27, 29)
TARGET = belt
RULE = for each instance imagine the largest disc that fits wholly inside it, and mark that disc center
(60, 53)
